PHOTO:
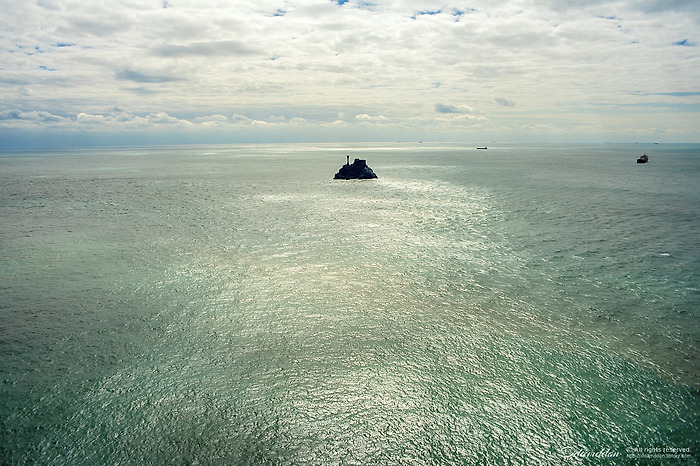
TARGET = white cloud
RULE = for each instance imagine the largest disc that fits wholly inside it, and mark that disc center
(365, 117)
(92, 119)
(164, 118)
(336, 123)
(14, 116)
(297, 121)
(212, 121)
(447, 108)
(223, 48)
(240, 119)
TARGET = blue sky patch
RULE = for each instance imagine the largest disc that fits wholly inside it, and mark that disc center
(684, 43)
(426, 13)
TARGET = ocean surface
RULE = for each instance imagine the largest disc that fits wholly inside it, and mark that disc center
(525, 304)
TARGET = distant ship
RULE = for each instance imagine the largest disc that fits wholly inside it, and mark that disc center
(643, 159)
(482, 147)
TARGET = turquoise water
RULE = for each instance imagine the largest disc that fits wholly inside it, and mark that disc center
(235, 305)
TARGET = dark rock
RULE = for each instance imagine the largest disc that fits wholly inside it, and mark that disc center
(357, 170)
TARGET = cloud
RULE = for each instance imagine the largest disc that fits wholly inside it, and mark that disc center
(92, 119)
(31, 116)
(236, 118)
(673, 94)
(505, 102)
(276, 13)
(212, 120)
(220, 48)
(336, 123)
(164, 118)
(355, 65)
(114, 119)
(445, 108)
(687, 7)
(136, 76)
(142, 91)
(366, 117)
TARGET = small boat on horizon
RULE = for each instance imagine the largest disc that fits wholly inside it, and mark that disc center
(482, 147)
(643, 159)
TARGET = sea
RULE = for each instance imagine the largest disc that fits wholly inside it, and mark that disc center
(233, 304)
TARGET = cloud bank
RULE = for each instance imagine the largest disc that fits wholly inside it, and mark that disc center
(352, 70)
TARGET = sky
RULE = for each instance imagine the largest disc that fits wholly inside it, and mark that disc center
(134, 72)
